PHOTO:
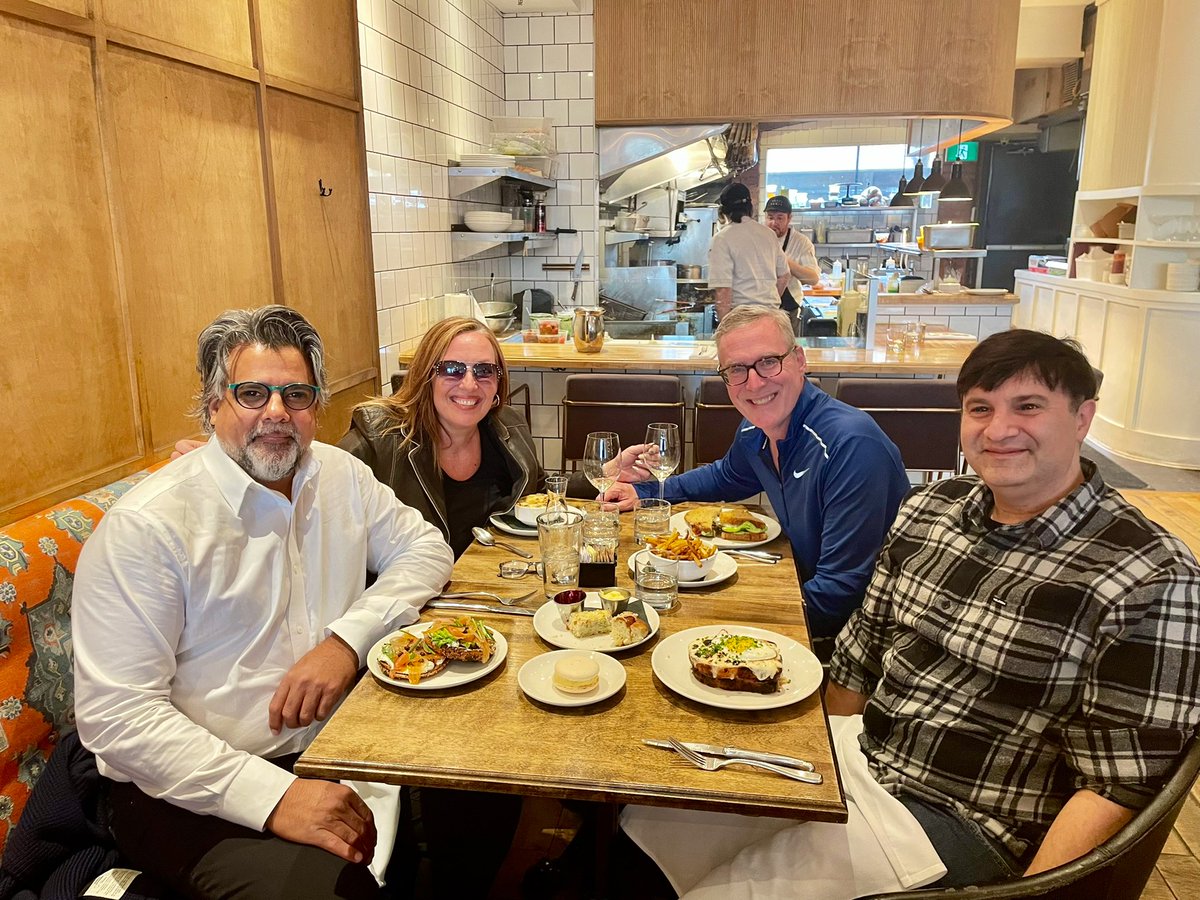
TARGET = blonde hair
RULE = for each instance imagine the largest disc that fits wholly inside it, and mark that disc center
(410, 411)
(748, 314)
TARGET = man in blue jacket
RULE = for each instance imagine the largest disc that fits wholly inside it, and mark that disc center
(833, 478)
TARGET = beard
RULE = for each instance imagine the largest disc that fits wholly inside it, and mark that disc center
(267, 463)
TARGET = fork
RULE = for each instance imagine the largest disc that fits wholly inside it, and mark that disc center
(507, 601)
(712, 764)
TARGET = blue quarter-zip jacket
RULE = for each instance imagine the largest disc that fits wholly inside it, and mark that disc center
(836, 493)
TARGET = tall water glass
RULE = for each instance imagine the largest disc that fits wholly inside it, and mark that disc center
(600, 453)
(559, 538)
(556, 492)
(662, 457)
(657, 581)
(650, 517)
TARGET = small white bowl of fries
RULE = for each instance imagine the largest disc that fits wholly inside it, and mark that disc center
(696, 557)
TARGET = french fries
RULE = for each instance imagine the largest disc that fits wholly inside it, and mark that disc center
(682, 547)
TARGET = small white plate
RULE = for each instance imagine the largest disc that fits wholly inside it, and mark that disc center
(455, 674)
(724, 568)
(550, 628)
(536, 679)
(774, 529)
(985, 292)
(801, 670)
(522, 530)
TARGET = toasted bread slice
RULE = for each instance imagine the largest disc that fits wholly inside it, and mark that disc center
(465, 639)
(703, 520)
(407, 656)
(627, 629)
(736, 662)
(738, 524)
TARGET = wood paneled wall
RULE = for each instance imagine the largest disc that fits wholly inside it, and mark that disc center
(161, 163)
(782, 60)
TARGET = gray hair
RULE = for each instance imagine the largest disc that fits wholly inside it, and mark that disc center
(272, 327)
(748, 314)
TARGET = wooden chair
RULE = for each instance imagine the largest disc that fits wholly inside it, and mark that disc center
(1116, 870)
(921, 416)
(622, 403)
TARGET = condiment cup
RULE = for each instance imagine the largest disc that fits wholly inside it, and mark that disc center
(567, 602)
(611, 598)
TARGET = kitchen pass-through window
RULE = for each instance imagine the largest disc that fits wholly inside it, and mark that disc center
(829, 173)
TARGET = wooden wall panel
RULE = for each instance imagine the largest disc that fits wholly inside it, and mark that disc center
(321, 54)
(220, 28)
(66, 392)
(75, 7)
(326, 264)
(190, 184)
(335, 418)
(781, 60)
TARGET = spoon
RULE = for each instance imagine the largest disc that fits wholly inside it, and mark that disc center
(485, 537)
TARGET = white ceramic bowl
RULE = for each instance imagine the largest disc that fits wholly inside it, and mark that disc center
(516, 225)
(528, 514)
(689, 570)
(487, 221)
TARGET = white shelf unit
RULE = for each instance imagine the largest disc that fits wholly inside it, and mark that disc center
(467, 178)
(1148, 253)
(612, 236)
(472, 243)
(913, 250)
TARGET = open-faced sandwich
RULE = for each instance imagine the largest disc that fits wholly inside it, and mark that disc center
(465, 638)
(736, 662)
(408, 656)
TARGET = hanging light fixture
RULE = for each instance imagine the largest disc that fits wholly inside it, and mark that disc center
(916, 183)
(936, 180)
(956, 189)
(898, 198)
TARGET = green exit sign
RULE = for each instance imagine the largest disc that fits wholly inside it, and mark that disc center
(967, 152)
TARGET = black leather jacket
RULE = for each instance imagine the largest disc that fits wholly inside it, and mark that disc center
(414, 474)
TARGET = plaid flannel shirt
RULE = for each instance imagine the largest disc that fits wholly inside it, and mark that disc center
(1008, 666)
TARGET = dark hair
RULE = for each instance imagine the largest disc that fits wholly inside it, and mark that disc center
(1056, 363)
(273, 327)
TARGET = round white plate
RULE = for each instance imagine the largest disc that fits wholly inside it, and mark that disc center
(985, 292)
(522, 530)
(773, 531)
(801, 670)
(550, 628)
(723, 569)
(453, 675)
(536, 679)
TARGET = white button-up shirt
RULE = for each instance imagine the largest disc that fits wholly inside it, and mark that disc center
(201, 588)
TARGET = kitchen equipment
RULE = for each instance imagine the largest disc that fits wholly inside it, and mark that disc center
(588, 329)
(620, 312)
(625, 222)
(691, 273)
(497, 308)
(948, 236)
(849, 235)
(667, 263)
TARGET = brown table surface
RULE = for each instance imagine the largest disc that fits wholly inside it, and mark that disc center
(490, 736)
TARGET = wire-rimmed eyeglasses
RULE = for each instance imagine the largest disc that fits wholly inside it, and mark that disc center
(767, 367)
(296, 396)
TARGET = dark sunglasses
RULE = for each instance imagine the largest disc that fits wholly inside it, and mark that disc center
(455, 370)
(255, 395)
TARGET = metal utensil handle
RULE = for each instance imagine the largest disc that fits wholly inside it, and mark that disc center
(480, 607)
(516, 550)
(785, 771)
(774, 758)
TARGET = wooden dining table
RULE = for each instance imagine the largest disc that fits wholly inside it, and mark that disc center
(489, 735)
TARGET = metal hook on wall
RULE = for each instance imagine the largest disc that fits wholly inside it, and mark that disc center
(325, 192)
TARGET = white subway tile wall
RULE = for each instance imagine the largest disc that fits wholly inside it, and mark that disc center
(434, 74)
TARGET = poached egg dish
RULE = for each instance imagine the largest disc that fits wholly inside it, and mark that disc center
(736, 662)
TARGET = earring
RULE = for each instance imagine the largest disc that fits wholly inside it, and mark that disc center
(495, 400)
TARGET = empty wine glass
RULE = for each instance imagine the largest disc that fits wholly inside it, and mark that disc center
(600, 453)
(662, 458)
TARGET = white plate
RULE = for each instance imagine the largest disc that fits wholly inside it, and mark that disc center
(986, 292)
(536, 679)
(723, 569)
(550, 628)
(801, 670)
(773, 531)
(458, 672)
(522, 530)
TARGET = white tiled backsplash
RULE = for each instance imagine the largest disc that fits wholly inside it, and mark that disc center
(434, 74)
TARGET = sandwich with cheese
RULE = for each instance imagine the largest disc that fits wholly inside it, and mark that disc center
(736, 662)
(738, 524)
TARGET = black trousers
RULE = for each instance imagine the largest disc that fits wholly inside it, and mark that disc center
(208, 857)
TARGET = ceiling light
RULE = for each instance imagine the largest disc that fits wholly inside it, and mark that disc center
(918, 179)
(936, 180)
(956, 189)
(898, 198)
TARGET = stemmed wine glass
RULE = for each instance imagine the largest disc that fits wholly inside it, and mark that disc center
(662, 458)
(601, 449)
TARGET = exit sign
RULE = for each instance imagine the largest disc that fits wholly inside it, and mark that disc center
(968, 152)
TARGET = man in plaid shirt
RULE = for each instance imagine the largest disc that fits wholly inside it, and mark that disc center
(1026, 663)
(1026, 657)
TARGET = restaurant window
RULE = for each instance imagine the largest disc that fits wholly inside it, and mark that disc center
(809, 173)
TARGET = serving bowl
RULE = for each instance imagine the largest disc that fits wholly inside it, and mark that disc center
(500, 324)
(690, 570)
(481, 220)
(497, 308)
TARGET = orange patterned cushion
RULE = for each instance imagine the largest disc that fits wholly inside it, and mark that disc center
(37, 570)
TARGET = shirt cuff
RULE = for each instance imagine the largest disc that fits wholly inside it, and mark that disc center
(254, 793)
(361, 629)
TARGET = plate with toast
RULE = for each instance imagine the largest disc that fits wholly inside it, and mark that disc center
(444, 653)
(736, 667)
(596, 629)
(727, 526)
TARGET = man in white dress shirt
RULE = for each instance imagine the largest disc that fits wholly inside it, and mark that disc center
(220, 614)
(800, 253)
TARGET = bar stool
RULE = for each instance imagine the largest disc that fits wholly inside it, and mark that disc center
(919, 415)
(625, 404)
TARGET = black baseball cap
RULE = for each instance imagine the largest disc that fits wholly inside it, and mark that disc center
(735, 195)
(778, 204)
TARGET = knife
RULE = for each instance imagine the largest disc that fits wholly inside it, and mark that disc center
(479, 607)
(736, 753)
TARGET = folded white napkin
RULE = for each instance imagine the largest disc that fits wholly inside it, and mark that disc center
(384, 802)
(714, 856)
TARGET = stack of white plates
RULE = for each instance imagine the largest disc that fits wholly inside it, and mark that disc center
(486, 160)
(482, 220)
(1183, 276)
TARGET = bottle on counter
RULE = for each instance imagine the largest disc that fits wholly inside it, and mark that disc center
(528, 213)
(540, 216)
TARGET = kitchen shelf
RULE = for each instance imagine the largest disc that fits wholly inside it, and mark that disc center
(1124, 193)
(914, 250)
(624, 237)
(1126, 242)
(691, 281)
(898, 210)
(854, 246)
(1167, 245)
(472, 243)
(467, 178)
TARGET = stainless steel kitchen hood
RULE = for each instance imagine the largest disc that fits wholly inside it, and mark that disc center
(633, 160)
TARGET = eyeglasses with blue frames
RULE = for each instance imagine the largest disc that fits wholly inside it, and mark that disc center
(453, 370)
(768, 366)
(296, 396)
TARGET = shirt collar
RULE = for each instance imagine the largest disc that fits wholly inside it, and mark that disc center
(235, 483)
(1051, 525)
